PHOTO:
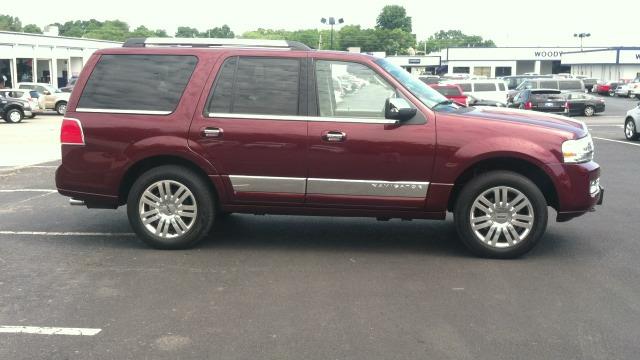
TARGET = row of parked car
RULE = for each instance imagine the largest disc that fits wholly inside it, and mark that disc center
(622, 87)
(565, 96)
(30, 99)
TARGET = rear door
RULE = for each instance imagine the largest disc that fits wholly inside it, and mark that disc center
(252, 127)
(357, 158)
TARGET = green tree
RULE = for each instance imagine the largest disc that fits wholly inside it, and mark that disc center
(187, 32)
(114, 30)
(142, 31)
(32, 28)
(219, 32)
(453, 38)
(394, 17)
(10, 23)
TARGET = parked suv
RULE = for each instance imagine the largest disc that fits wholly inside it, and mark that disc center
(14, 110)
(254, 126)
(30, 96)
(50, 97)
(543, 100)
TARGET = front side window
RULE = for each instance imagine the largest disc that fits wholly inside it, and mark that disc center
(347, 89)
(255, 85)
(485, 87)
(138, 82)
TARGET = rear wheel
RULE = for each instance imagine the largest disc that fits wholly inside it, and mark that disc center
(170, 207)
(589, 111)
(500, 214)
(612, 93)
(630, 131)
(61, 107)
(13, 116)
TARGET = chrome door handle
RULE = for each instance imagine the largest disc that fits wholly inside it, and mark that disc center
(212, 132)
(334, 136)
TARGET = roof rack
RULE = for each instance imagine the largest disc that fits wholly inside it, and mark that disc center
(212, 42)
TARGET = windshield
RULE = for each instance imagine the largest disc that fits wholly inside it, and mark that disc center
(423, 92)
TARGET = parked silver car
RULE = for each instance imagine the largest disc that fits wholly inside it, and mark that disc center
(631, 123)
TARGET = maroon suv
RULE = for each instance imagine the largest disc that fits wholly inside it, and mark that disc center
(184, 133)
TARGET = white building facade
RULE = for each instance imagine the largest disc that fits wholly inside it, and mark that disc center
(606, 64)
(44, 58)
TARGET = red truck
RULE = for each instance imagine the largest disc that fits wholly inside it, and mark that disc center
(184, 131)
(452, 92)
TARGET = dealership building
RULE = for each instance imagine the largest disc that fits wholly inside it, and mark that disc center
(607, 64)
(44, 58)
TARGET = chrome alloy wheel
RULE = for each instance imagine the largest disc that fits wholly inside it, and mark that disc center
(630, 129)
(167, 209)
(15, 116)
(501, 217)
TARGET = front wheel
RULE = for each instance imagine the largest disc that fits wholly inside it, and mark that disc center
(589, 111)
(170, 207)
(630, 131)
(612, 93)
(500, 214)
(61, 108)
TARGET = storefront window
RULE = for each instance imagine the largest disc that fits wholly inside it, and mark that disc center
(460, 69)
(482, 71)
(25, 70)
(5, 74)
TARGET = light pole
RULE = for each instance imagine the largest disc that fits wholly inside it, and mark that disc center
(581, 36)
(331, 21)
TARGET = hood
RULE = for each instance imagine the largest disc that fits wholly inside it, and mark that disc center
(528, 117)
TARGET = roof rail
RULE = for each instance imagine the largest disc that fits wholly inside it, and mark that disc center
(212, 42)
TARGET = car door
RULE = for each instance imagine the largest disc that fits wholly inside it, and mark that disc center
(49, 96)
(252, 127)
(357, 158)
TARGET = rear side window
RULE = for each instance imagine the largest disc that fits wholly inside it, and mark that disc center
(448, 91)
(254, 85)
(501, 87)
(138, 82)
(570, 85)
(466, 87)
(546, 84)
(34, 94)
(485, 87)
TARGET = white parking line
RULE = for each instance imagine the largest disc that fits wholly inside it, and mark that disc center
(48, 330)
(63, 233)
(28, 190)
(617, 141)
(606, 125)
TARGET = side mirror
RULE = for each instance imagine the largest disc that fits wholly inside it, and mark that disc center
(46, 92)
(398, 109)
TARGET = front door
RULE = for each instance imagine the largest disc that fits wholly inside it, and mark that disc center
(252, 128)
(357, 158)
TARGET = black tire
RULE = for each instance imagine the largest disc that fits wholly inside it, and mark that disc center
(612, 93)
(203, 201)
(61, 107)
(14, 116)
(589, 111)
(484, 182)
(630, 131)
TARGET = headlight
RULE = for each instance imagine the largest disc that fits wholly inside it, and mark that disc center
(578, 151)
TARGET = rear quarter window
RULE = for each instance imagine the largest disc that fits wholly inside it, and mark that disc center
(570, 85)
(138, 82)
(466, 87)
(448, 91)
(546, 84)
(485, 87)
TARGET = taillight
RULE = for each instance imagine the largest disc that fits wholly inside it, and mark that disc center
(567, 105)
(71, 132)
(528, 105)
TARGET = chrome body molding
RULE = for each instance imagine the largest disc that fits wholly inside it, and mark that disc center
(289, 185)
(123, 111)
(411, 189)
(303, 118)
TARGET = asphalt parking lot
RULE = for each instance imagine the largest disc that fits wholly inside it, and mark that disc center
(291, 287)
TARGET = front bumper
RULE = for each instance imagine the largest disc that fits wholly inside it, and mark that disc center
(578, 189)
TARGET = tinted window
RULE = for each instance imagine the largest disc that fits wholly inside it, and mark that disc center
(546, 84)
(501, 87)
(34, 94)
(567, 85)
(460, 69)
(484, 87)
(138, 82)
(350, 90)
(448, 91)
(266, 86)
(220, 102)
(466, 87)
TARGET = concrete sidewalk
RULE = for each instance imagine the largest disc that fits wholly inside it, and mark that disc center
(33, 141)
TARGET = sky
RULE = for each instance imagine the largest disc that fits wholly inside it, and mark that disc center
(507, 23)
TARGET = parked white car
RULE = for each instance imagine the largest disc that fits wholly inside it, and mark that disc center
(634, 89)
(622, 90)
(30, 96)
(51, 98)
(632, 123)
(490, 89)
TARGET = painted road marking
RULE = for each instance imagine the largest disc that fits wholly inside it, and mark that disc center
(48, 330)
(28, 190)
(617, 141)
(606, 125)
(62, 233)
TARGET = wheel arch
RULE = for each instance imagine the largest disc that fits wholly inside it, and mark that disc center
(524, 167)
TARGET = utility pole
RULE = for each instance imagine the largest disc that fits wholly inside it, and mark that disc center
(581, 36)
